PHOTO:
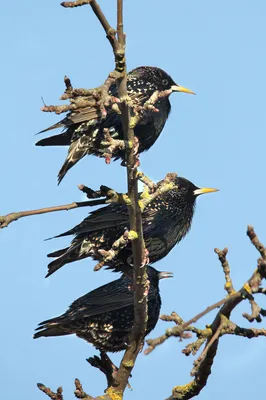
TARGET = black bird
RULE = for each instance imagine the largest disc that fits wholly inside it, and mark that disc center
(166, 220)
(105, 316)
(84, 128)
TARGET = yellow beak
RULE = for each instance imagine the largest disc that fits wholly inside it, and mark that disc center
(197, 192)
(176, 88)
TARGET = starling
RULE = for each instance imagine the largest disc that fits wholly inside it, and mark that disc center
(84, 128)
(105, 316)
(166, 220)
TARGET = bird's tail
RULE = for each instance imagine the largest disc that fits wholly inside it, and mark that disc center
(57, 253)
(50, 332)
(57, 140)
(51, 327)
(59, 124)
(65, 256)
(62, 139)
(67, 233)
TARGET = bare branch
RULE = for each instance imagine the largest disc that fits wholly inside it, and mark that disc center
(228, 281)
(105, 365)
(79, 392)
(5, 220)
(178, 331)
(255, 241)
(54, 396)
(110, 196)
(222, 325)
(77, 3)
(119, 244)
(138, 247)
(256, 311)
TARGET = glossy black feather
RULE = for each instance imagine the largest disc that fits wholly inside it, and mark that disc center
(105, 316)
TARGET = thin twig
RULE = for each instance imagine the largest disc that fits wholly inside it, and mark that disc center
(178, 331)
(54, 396)
(118, 245)
(106, 366)
(5, 220)
(77, 3)
(228, 281)
(255, 241)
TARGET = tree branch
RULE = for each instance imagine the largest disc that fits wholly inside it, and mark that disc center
(109, 196)
(105, 365)
(104, 195)
(5, 220)
(54, 396)
(138, 248)
(222, 325)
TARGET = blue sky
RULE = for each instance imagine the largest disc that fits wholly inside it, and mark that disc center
(215, 139)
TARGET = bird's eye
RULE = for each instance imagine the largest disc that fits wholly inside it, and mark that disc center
(165, 82)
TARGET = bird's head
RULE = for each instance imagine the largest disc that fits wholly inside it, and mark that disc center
(188, 191)
(154, 275)
(159, 79)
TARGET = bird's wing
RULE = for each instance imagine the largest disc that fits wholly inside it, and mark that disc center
(112, 296)
(89, 113)
(102, 300)
(82, 115)
(106, 217)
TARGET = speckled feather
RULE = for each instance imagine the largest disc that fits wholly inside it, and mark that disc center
(105, 316)
(166, 220)
(83, 128)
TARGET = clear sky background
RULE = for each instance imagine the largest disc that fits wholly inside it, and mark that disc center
(215, 139)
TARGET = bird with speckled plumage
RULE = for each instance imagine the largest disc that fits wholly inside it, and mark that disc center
(83, 129)
(166, 220)
(104, 317)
